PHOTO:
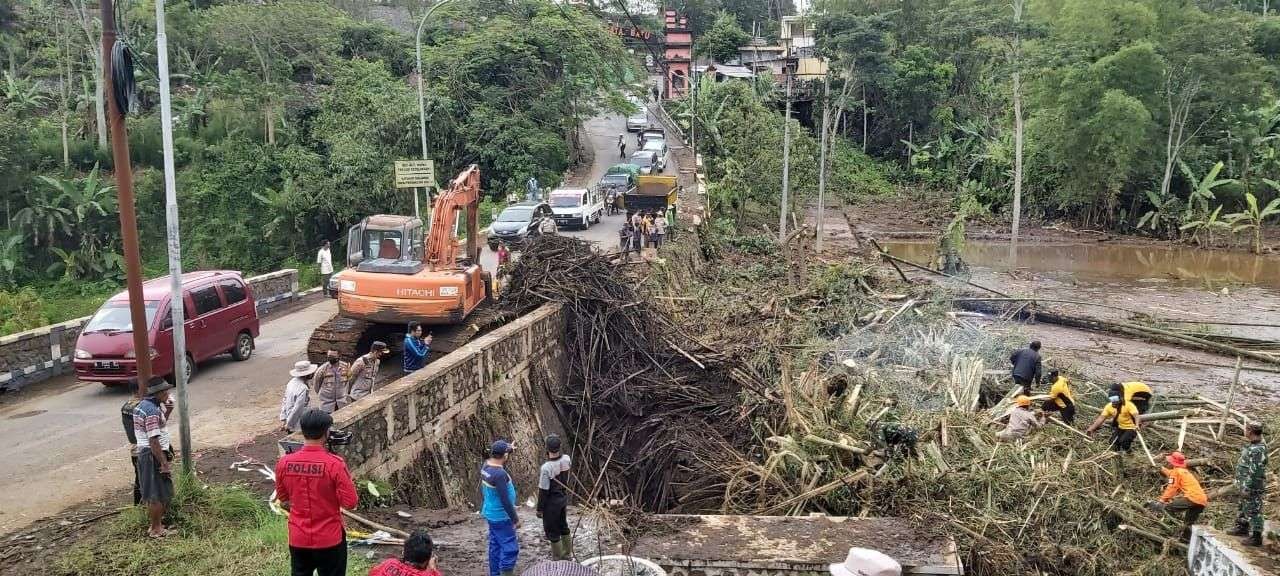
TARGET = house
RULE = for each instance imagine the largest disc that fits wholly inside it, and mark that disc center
(797, 37)
(760, 57)
(722, 72)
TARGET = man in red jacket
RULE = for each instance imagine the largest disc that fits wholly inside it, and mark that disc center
(313, 484)
(418, 560)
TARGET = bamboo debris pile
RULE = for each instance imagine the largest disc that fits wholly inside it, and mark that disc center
(650, 409)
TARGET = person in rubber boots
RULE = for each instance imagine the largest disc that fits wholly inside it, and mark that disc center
(498, 498)
(553, 502)
(1251, 483)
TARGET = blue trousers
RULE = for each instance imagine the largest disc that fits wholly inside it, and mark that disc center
(504, 548)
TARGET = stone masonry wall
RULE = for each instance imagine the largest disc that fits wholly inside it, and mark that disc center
(426, 432)
(42, 353)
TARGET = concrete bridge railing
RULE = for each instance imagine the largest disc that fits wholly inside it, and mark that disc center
(426, 432)
(42, 353)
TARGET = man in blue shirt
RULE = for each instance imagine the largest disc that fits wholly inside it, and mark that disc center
(498, 498)
(416, 348)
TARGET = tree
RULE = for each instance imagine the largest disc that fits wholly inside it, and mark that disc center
(1251, 218)
(858, 46)
(722, 40)
(279, 41)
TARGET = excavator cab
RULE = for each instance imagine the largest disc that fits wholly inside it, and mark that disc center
(387, 244)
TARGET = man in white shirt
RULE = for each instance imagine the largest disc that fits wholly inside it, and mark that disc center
(297, 395)
(325, 260)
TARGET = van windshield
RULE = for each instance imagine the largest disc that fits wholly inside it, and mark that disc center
(566, 200)
(114, 317)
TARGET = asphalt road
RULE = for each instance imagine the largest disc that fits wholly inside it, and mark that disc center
(63, 442)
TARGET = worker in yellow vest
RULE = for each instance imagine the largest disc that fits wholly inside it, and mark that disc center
(1124, 418)
(1137, 392)
(1060, 398)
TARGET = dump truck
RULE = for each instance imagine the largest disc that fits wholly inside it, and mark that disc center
(653, 193)
(398, 272)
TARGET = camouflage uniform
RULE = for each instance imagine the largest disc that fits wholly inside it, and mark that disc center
(1251, 480)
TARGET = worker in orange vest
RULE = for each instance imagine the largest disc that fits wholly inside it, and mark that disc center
(1182, 494)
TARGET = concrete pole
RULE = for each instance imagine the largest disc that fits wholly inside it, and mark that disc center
(786, 165)
(422, 102)
(174, 243)
(822, 164)
(124, 195)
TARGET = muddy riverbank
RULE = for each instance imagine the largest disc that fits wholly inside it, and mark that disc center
(1112, 281)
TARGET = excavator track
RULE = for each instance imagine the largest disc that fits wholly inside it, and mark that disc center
(352, 337)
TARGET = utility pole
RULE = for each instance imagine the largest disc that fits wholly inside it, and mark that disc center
(822, 163)
(124, 195)
(174, 242)
(1017, 130)
(422, 102)
(786, 163)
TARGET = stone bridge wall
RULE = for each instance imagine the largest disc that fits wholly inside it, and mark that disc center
(1213, 554)
(42, 353)
(425, 433)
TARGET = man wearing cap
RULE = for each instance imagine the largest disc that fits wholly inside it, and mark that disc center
(331, 382)
(314, 484)
(1026, 366)
(498, 498)
(1125, 419)
(296, 396)
(553, 502)
(1182, 494)
(418, 559)
(1021, 421)
(364, 372)
(866, 562)
(1251, 482)
(155, 483)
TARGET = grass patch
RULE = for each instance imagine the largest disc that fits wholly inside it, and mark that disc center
(223, 529)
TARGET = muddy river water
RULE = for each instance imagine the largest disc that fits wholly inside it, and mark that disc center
(1112, 263)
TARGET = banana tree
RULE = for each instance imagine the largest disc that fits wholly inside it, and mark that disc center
(11, 256)
(1202, 194)
(44, 216)
(1251, 218)
(1163, 215)
(1209, 224)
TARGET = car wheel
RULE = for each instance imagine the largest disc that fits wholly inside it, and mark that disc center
(190, 368)
(244, 347)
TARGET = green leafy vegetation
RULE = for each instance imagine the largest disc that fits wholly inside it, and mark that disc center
(1140, 115)
(288, 116)
(222, 529)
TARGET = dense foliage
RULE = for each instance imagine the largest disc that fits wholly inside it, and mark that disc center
(1128, 104)
(288, 115)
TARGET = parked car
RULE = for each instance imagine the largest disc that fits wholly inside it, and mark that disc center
(221, 317)
(658, 147)
(645, 161)
(578, 207)
(517, 223)
(637, 121)
(648, 134)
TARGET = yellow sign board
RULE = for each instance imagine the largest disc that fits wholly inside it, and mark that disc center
(415, 173)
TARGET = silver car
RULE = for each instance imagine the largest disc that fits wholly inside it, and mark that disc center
(647, 161)
(637, 122)
(659, 147)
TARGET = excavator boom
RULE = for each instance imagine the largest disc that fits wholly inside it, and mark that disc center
(462, 195)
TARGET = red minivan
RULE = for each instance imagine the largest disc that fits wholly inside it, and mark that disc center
(220, 313)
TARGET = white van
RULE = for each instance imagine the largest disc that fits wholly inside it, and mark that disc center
(580, 207)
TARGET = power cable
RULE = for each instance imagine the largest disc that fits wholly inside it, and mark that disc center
(122, 83)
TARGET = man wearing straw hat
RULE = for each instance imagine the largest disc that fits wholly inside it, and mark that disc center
(297, 395)
(1182, 494)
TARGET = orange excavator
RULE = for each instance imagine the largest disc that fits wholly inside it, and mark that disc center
(395, 276)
